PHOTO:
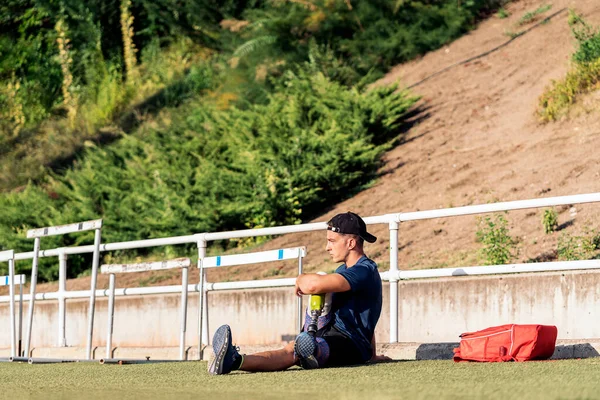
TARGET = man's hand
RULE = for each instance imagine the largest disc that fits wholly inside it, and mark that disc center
(377, 358)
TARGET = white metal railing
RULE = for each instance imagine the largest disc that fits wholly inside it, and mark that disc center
(393, 275)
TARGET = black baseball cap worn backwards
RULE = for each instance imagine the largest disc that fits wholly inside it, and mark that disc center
(351, 224)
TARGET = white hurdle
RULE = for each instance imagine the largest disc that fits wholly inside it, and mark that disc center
(112, 269)
(63, 230)
(10, 281)
(244, 259)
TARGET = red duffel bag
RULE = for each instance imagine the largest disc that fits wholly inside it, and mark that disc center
(507, 343)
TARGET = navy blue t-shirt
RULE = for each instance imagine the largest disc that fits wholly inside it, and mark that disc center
(357, 311)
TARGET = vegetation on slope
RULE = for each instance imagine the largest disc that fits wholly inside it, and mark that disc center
(583, 77)
(166, 120)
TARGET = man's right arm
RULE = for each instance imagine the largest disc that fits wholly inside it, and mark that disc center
(318, 284)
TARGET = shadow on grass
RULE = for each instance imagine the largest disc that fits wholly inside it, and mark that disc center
(296, 369)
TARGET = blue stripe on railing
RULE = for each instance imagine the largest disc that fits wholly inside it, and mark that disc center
(6, 280)
(218, 261)
(280, 255)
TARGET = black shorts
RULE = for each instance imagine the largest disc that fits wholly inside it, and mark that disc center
(342, 350)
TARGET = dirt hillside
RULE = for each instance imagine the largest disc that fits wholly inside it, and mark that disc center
(478, 140)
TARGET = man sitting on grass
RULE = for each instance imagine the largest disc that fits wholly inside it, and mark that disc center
(356, 305)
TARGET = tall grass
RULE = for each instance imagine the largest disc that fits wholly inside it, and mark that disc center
(129, 49)
(13, 117)
(66, 60)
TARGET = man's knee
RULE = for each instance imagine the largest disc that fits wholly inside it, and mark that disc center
(322, 351)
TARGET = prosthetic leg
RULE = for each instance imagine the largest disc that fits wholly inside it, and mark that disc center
(313, 351)
(316, 308)
(317, 314)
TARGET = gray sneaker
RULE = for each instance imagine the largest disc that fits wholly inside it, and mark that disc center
(225, 353)
(305, 348)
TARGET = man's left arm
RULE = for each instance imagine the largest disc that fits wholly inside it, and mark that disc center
(319, 284)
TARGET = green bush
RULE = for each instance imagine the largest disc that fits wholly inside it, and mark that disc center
(588, 39)
(498, 245)
(582, 247)
(584, 76)
(202, 169)
(589, 51)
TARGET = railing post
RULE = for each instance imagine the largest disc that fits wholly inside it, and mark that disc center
(32, 287)
(62, 288)
(205, 338)
(111, 314)
(13, 329)
(393, 275)
(20, 344)
(201, 254)
(184, 299)
(300, 314)
(95, 262)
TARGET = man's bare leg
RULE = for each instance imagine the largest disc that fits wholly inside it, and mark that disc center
(275, 360)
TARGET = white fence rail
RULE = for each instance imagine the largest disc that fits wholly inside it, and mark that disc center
(20, 279)
(393, 275)
(254, 258)
(149, 266)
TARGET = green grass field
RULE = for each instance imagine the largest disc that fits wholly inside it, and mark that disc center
(566, 379)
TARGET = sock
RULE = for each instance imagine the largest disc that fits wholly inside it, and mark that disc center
(237, 364)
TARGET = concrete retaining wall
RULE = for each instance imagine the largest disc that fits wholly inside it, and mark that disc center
(430, 311)
(439, 310)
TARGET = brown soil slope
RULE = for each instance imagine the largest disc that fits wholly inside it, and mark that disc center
(479, 141)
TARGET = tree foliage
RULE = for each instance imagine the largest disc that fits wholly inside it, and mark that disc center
(370, 35)
(314, 143)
